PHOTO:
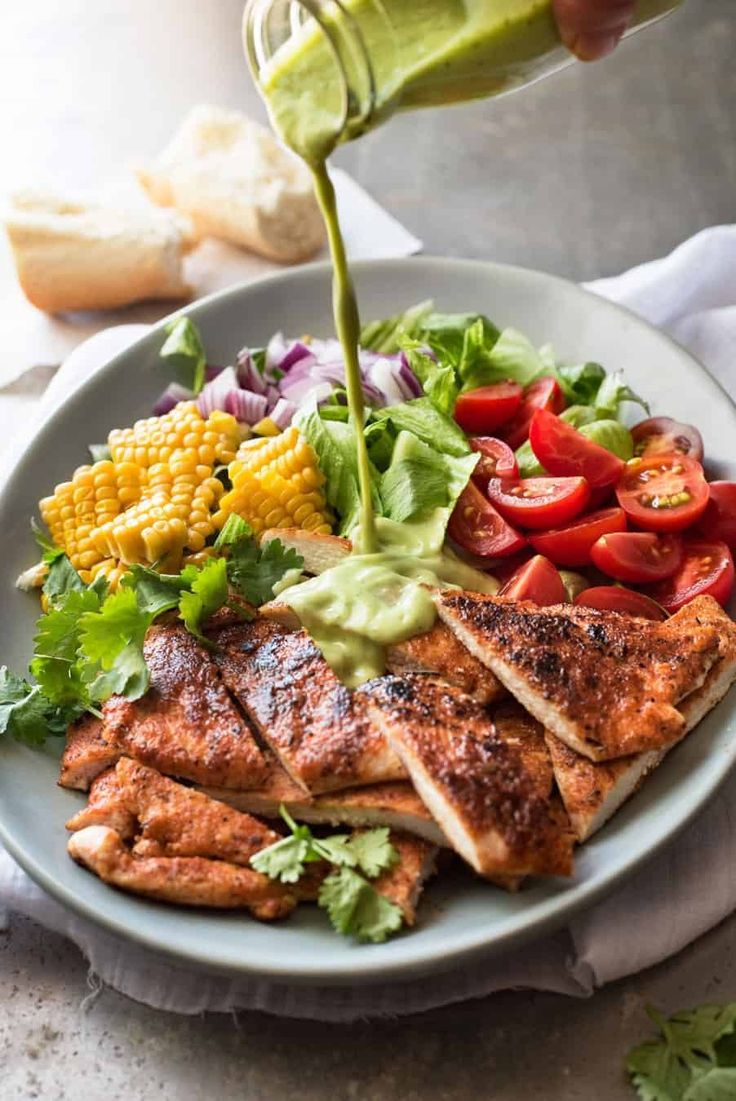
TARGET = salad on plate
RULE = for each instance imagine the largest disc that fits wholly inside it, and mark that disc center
(264, 719)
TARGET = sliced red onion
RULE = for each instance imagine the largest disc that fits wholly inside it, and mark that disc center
(214, 393)
(172, 395)
(283, 412)
(283, 354)
(306, 387)
(245, 406)
(272, 396)
(211, 371)
(408, 380)
(249, 377)
(385, 377)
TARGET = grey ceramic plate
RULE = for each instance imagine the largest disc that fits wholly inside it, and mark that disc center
(461, 917)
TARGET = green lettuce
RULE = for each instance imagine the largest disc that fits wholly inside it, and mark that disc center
(613, 435)
(581, 384)
(420, 479)
(422, 418)
(183, 351)
(384, 336)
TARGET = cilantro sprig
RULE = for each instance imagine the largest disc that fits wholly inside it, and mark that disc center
(693, 1058)
(254, 571)
(352, 903)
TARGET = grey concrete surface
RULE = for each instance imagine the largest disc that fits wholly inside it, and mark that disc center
(588, 173)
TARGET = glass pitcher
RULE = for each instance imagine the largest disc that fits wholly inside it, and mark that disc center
(331, 69)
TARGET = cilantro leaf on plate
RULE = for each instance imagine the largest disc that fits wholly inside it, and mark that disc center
(49, 548)
(356, 908)
(156, 592)
(61, 579)
(253, 571)
(55, 663)
(373, 851)
(694, 1058)
(111, 647)
(207, 593)
(25, 714)
(285, 859)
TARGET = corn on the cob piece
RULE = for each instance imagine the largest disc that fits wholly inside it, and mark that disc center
(95, 495)
(155, 440)
(277, 483)
(112, 570)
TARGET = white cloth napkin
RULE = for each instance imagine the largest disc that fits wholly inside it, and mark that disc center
(685, 891)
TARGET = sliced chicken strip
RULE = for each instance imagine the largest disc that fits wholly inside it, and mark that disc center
(88, 752)
(168, 819)
(185, 881)
(318, 729)
(186, 725)
(482, 783)
(606, 684)
(591, 791)
(440, 652)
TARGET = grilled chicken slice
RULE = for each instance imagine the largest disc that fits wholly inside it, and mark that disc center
(88, 752)
(592, 791)
(487, 786)
(606, 684)
(186, 725)
(394, 804)
(318, 729)
(440, 652)
(183, 880)
(164, 818)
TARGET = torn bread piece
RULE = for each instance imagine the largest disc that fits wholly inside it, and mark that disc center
(182, 880)
(236, 182)
(318, 729)
(185, 725)
(164, 818)
(80, 255)
(485, 785)
(606, 684)
(592, 792)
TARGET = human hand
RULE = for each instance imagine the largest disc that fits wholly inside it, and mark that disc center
(592, 28)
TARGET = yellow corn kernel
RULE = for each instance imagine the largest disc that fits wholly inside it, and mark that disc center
(266, 427)
(276, 482)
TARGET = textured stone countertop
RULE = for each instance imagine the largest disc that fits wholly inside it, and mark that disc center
(603, 167)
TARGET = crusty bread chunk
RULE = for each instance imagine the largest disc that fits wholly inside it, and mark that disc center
(230, 175)
(83, 255)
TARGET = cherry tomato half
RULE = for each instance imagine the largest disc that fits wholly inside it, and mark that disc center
(570, 546)
(663, 492)
(562, 450)
(637, 557)
(537, 580)
(481, 411)
(663, 436)
(539, 503)
(478, 528)
(611, 598)
(707, 568)
(543, 393)
(719, 519)
(497, 460)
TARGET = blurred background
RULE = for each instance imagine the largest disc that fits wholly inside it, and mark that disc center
(585, 174)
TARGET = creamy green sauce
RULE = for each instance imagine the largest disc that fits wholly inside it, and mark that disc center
(421, 52)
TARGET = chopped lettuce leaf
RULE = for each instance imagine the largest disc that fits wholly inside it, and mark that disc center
(50, 551)
(580, 384)
(356, 909)
(439, 382)
(380, 439)
(421, 479)
(613, 435)
(384, 336)
(513, 356)
(446, 333)
(234, 529)
(184, 352)
(613, 391)
(425, 421)
(578, 415)
(334, 445)
(528, 463)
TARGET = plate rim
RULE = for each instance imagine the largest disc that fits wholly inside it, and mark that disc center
(545, 917)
